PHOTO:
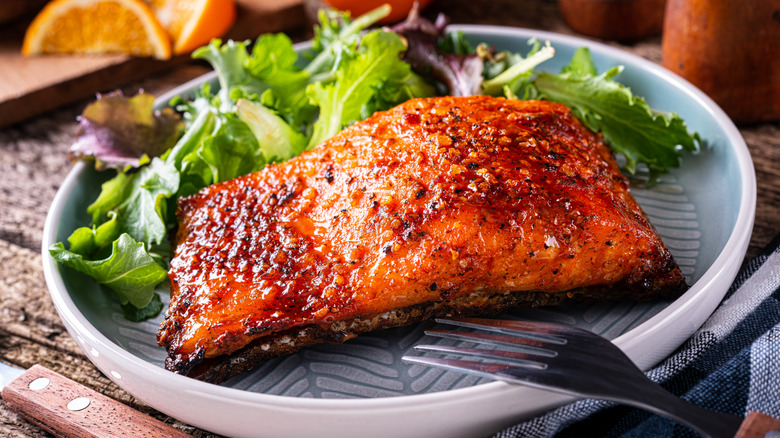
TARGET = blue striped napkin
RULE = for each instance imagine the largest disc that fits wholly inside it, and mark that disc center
(732, 364)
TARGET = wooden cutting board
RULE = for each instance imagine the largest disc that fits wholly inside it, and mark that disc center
(33, 85)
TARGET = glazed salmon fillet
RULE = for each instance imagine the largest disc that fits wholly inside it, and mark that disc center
(440, 206)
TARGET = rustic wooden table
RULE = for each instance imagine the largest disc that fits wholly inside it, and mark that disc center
(33, 164)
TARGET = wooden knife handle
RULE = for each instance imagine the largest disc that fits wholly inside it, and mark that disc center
(68, 409)
(758, 425)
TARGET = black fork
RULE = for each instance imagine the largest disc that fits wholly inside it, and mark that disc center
(568, 360)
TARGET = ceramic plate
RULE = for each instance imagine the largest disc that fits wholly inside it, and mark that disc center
(703, 211)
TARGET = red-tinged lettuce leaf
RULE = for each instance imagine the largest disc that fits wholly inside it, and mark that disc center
(461, 73)
(121, 132)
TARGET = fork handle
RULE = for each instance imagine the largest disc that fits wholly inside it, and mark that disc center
(758, 425)
(711, 423)
(662, 402)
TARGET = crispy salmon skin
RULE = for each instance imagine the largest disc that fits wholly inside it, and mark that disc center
(447, 205)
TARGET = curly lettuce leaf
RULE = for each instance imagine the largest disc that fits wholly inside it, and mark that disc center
(139, 201)
(274, 61)
(581, 63)
(228, 61)
(628, 124)
(88, 240)
(335, 34)
(374, 69)
(129, 271)
(120, 132)
(231, 150)
(517, 69)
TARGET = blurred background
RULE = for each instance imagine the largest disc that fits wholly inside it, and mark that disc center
(727, 48)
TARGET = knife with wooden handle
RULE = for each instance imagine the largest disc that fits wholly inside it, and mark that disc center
(68, 409)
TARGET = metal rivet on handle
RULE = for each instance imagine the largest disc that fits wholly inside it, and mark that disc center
(39, 383)
(78, 404)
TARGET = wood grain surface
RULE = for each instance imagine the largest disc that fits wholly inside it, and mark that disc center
(33, 164)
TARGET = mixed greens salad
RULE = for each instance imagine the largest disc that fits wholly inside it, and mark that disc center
(272, 103)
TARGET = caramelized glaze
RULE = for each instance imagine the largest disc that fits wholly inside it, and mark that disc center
(433, 200)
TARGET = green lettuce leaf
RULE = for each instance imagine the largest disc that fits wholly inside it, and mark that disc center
(231, 150)
(274, 61)
(129, 271)
(337, 34)
(88, 240)
(277, 140)
(139, 201)
(228, 61)
(628, 124)
(135, 314)
(375, 69)
(517, 69)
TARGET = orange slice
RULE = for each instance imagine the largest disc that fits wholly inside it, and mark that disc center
(97, 26)
(193, 23)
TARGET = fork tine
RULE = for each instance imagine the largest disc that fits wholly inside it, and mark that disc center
(482, 369)
(541, 331)
(516, 358)
(524, 375)
(531, 346)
